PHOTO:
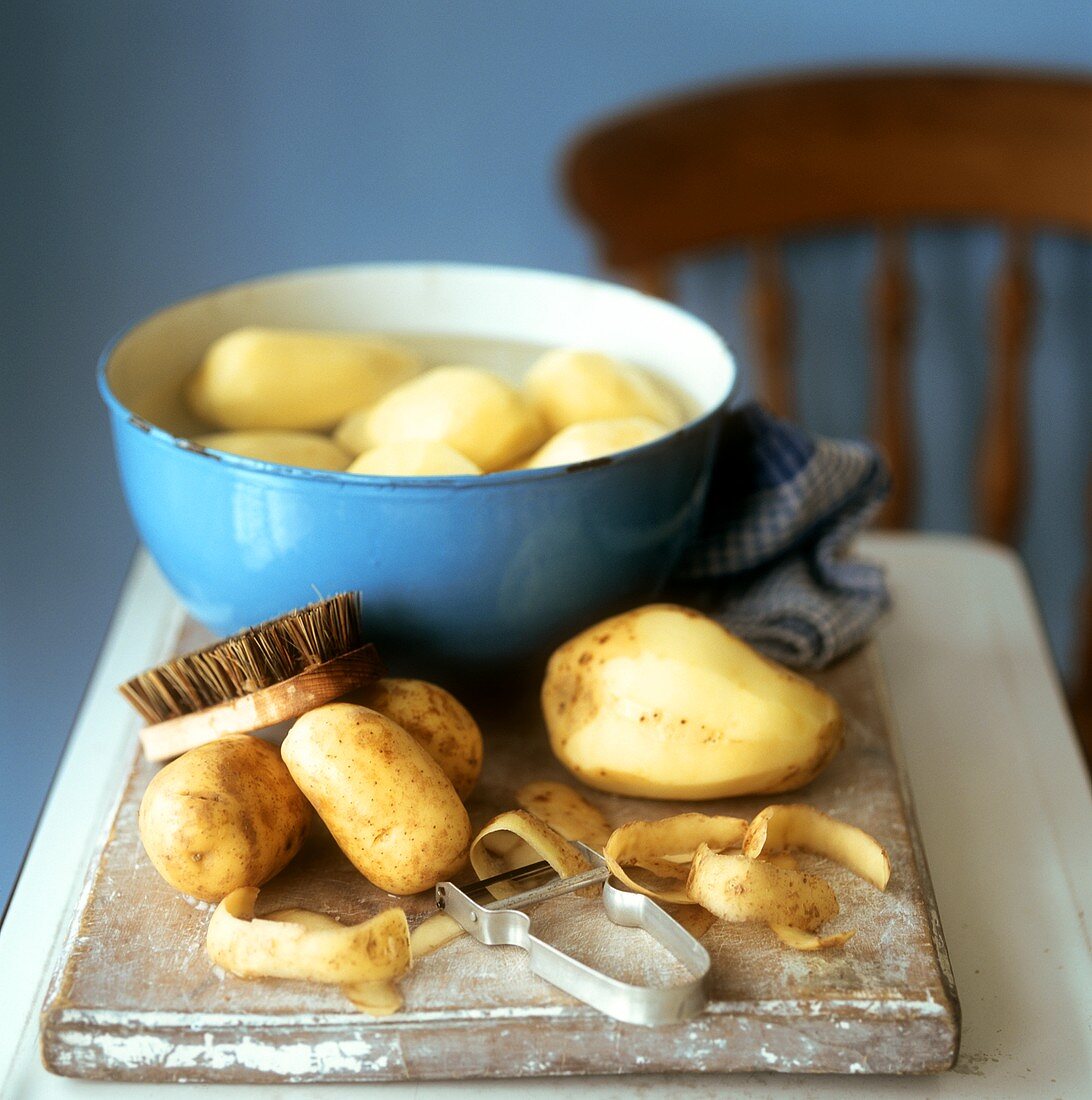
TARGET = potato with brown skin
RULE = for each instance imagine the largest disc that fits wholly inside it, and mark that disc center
(223, 815)
(435, 719)
(387, 803)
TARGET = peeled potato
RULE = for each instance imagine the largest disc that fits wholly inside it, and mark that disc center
(413, 458)
(351, 434)
(469, 409)
(387, 803)
(436, 720)
(662, 702)
(307, 449)
(293, 378)
(569, 386)
(222, 816)
(594, 438)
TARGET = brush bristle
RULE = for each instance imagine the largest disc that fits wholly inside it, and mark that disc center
(257, 658)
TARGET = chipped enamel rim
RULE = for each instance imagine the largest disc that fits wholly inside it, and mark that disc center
(162, 437)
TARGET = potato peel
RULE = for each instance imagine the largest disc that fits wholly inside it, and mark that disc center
(377, 998)
(565, 809)
(800, 940)
(432, 933)
(665, 848)
(806, 828)
(516, 839)
(696, 920)
(250, 947)
(737, 888)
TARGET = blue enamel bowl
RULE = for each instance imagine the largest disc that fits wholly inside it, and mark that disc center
(475, 570)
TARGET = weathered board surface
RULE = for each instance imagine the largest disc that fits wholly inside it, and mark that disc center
(135, 997)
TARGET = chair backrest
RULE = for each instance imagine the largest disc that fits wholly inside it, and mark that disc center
(751, 164)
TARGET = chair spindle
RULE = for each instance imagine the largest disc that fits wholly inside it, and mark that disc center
(771, 322)
(1080, 699)
(1002, 448)
(654, 279)
(892, 418)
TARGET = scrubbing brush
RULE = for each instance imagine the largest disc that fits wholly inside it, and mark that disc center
(272, 672)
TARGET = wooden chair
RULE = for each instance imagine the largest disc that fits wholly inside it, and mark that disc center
(751, 164)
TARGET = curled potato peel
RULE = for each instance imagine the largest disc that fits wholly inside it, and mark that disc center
(306, 950)
(665, 848)
(799, 826)
(378, 998)
(433, 933)
(515, 839)
(567, 811)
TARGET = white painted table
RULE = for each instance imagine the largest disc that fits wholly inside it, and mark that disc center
(1000, 789)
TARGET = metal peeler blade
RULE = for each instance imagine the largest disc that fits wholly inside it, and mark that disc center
(501, 922)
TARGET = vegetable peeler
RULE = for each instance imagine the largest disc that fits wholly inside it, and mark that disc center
(501, 922)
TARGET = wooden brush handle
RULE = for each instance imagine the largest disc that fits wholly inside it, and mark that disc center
(266, 707)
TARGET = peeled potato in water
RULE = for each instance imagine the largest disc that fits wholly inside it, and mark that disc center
(471, 410)
(413, 458)
(593, 439)
(307, 449)
(569, 386)
(294, 378)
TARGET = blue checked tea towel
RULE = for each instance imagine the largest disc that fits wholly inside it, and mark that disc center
(771, 561)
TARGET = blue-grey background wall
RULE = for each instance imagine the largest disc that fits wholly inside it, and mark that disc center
(152, 150)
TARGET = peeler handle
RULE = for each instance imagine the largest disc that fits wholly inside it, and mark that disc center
(632, 910)
(635, 1004)
(646, 1005)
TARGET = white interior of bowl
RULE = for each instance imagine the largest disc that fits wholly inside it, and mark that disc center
(149, 363)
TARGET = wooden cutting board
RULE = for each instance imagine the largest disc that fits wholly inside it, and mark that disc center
(135, 997)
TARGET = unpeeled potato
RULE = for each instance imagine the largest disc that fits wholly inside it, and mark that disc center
(294, 378)
(469, 409)
(223, 815)
(435, 719)
(571, 385)
(387, 803)
(662, 702)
